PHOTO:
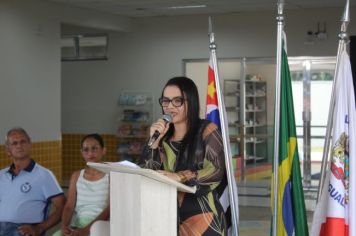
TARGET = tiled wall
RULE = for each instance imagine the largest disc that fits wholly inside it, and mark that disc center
(4, 159)
(72, 159)
(47, 153)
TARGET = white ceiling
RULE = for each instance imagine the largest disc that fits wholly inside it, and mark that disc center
(144, 8)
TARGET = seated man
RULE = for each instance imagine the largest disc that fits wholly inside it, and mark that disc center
(26, 189)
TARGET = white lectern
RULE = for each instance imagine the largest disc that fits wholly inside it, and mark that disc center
(142, 201)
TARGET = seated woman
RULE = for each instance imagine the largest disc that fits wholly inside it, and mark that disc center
(88, 193)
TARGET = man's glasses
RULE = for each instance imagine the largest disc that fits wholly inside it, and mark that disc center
(93, 149)
(176, 101)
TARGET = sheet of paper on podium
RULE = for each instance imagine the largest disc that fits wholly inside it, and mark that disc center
(131, 168)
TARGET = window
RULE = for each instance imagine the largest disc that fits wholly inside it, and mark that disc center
(84, 47)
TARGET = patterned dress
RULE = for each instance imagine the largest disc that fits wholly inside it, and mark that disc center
(200, 213)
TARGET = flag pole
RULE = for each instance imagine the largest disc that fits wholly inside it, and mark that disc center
(343, 37)
(280, 22)
(225, 135)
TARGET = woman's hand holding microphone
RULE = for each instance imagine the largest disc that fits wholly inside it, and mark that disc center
(158, 130)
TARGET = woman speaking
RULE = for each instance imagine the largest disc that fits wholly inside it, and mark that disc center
(189, 150)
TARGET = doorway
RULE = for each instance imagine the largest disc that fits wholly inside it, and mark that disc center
(312, 79)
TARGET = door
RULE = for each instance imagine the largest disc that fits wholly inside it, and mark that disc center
(312, 79)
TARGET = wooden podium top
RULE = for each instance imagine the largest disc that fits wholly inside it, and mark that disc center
(107, 167)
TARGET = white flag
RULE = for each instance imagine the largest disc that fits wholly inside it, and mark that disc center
(333, 214)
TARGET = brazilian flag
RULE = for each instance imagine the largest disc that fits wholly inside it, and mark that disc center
(291, 218)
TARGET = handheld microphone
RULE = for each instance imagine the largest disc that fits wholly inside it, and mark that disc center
(168, 119)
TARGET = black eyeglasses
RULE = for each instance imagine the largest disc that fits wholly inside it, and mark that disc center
(176, 101)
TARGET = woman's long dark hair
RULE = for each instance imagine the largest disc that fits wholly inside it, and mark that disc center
(190, 93)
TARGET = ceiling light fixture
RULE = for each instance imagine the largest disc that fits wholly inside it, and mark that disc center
(186, 7)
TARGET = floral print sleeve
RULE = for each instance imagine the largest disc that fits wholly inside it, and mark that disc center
(212, 169)
(150, 159)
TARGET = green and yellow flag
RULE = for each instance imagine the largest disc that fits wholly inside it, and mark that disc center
(291, 218)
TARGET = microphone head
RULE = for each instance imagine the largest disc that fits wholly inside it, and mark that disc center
(167, 117)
